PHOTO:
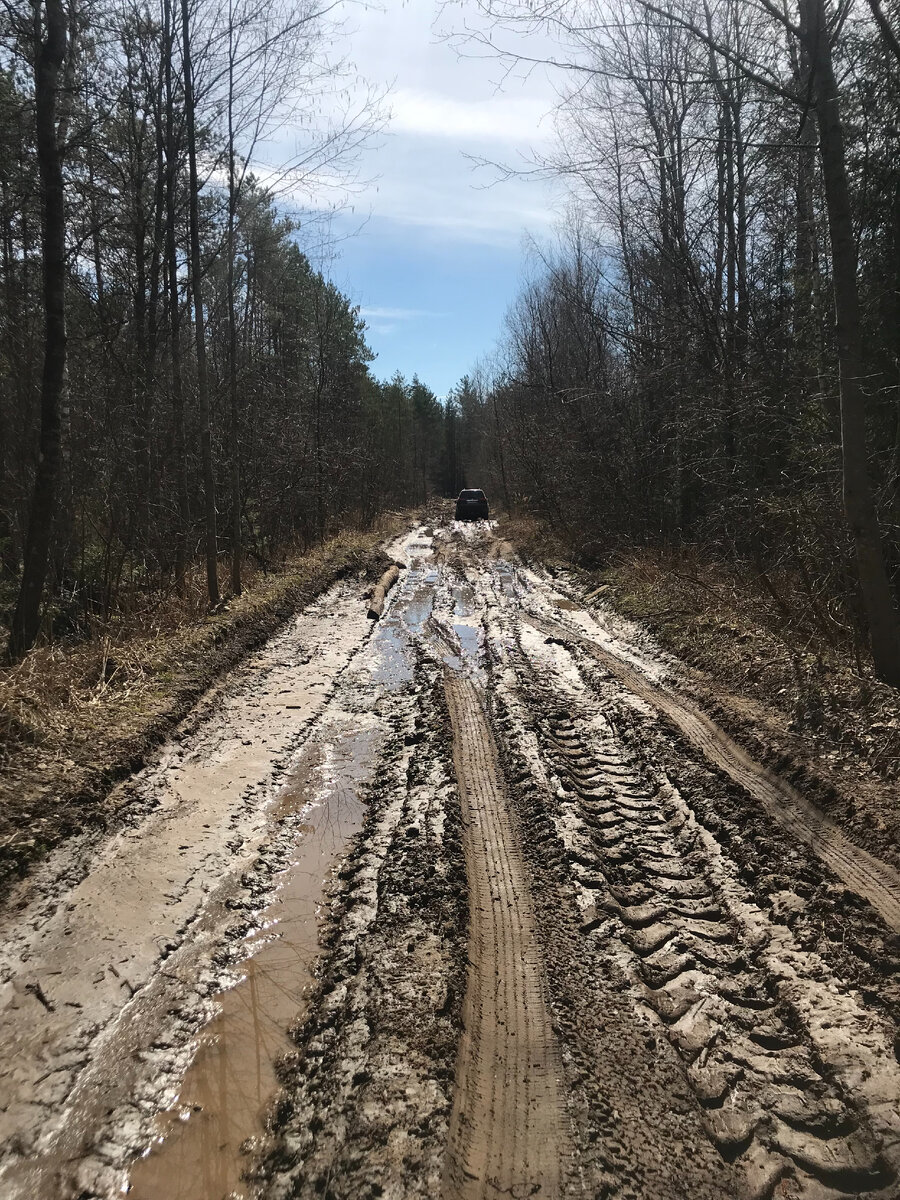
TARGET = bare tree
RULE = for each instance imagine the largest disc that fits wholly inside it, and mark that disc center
(667, 96)
(50, 38)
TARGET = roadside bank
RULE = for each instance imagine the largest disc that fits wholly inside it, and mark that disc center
(76, 720)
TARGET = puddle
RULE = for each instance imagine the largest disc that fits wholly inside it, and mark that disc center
(460, 647)
(226, 1092)
(469, 638)
(463, 597)
(454, 630)
(406, 619)
(228, 1088)
(468, 628)
(506, 574)
(415, 612)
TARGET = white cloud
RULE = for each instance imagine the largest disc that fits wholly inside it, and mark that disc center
(397, 314)
(512, 119)
(447, 112)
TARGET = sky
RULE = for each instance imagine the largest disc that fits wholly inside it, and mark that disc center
(432, 247)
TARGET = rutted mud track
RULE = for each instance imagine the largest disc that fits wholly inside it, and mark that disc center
(582, 945)
(508, 1130)
(876, 880)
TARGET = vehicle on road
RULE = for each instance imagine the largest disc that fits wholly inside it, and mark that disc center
(471, 505)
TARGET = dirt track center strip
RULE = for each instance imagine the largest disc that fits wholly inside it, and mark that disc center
(859, 870)
(508, 1134)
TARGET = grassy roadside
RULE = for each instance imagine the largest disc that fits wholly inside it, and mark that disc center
(714, 622)
(797, 699)
(76, 720)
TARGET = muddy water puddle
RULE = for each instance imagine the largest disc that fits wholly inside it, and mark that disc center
(227, 1090)
(505, 573)
(395, 638)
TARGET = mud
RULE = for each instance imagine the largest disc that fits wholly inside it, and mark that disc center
(366, 1105)
(474, 902)
(68, 743)
(876, 880)
(108, 980)
(508, 1131)
(201, 1145)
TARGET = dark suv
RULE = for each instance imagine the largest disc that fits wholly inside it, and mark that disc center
(471, 505)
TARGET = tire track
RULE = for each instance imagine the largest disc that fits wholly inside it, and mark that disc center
(797, 1110)
(769, 1105)
(508, 1127)
(859, 870)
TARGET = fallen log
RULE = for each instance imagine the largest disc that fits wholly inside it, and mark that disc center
(380, 591)
(604, 587)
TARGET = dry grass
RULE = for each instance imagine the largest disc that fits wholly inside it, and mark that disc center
(75, 718)
(533, 540)
(728, 624)
(761, 636)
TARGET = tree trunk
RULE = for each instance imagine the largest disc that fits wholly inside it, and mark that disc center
(180, 449)
(153, 329)
(8, 559)
(50, 54)
(380, 591)
(209, 480)
(233, 413)
(499, 435)
(859, 505)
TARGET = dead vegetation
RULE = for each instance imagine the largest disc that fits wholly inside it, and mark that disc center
(766, 636)
(738, 628)
(75, 718)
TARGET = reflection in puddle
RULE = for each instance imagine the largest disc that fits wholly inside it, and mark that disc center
(232, 1078)
(469, 638)
(506, 574)
(459, 643)
(396, 633)
(416, 611)
(463, 595)
(467, 627)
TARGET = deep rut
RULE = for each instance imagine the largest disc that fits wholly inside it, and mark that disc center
(508, 1133)
(769, 1103)
(585, 967)
(859, 870)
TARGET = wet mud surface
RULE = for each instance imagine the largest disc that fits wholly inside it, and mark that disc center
(468, 902)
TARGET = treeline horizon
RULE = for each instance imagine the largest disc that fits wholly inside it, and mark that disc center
(178, 383)
(710, 357)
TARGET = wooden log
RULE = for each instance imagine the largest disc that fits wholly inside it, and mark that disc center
(380, 591)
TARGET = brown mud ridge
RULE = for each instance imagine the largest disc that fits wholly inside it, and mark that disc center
(877, 881)
(578, 942)
(508, 1129)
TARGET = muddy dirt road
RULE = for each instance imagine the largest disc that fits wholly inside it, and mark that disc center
(469, 902)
